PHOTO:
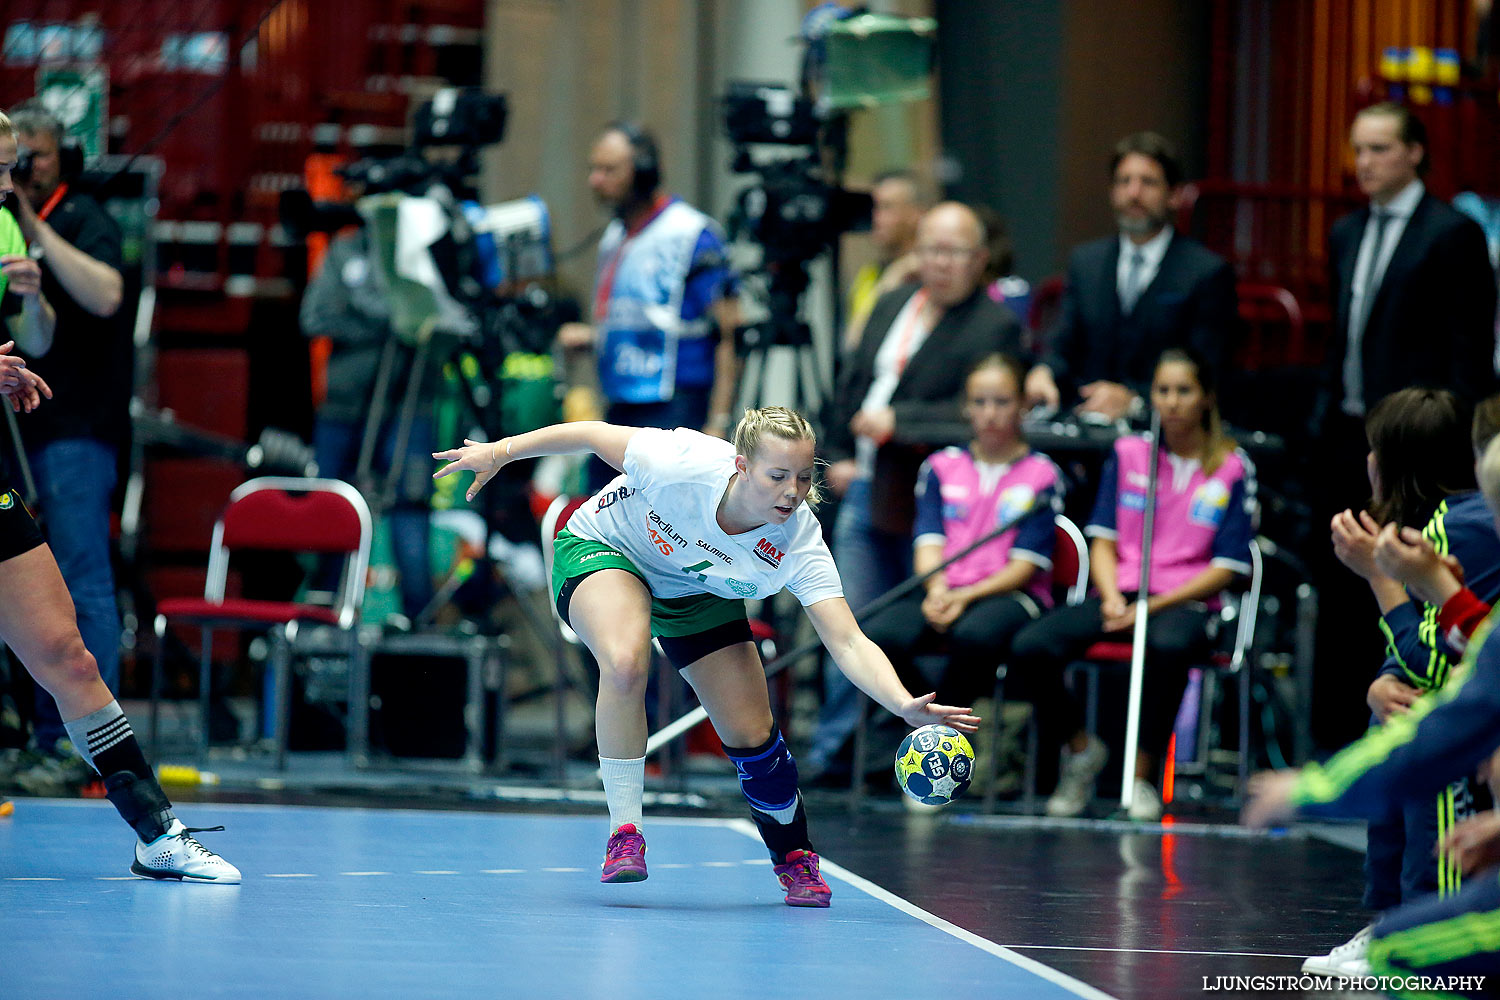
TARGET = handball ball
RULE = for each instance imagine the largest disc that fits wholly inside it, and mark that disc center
(935, 765)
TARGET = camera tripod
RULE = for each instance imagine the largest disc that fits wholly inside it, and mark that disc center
(782, 327)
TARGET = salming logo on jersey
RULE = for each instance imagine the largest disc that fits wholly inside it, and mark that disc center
(768, 553)
(715, 552)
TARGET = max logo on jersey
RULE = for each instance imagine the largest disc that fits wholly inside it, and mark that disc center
(769, 554)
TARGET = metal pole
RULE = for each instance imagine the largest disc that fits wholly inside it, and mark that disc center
(1138, 642)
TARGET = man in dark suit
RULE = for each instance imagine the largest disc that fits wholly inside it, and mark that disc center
(1413, 299)
(899, 399)
(1413, 291)
(1130, 296)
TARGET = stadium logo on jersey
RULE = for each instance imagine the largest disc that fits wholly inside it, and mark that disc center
(1210, 501)
(740, 587)
(769, 554)
(1014, 504)
(7, 500)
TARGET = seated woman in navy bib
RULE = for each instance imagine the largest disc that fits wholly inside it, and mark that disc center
(1204, 524)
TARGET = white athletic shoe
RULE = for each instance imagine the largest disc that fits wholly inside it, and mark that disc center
(1075, 786)
(176, 855)
(1348, 959)
(1145, 805)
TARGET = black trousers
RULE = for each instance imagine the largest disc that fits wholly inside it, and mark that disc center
(976, 643)
(1176, 640)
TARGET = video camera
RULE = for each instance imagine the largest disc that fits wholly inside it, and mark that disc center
(795, 212)
(70, 157)
(458, 120)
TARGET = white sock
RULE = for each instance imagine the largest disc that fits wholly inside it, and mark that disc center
(624, 784)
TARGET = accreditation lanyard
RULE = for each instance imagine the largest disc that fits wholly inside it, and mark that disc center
(51, 202)
(607, 273)
(909, 330)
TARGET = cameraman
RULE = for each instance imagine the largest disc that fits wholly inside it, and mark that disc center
(665, 304)
(344, 303)
(73, 444)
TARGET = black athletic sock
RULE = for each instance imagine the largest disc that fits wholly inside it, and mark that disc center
(783, 838)
(105, 739)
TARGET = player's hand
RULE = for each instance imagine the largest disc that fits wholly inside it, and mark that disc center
(922, 712)
(23, 388)
(1403, 554)
(1475, 842)
(483, 458)
(1354, 542)
(24, 275)
(1041, 388)
(1270, 801)
(840, 474)
(1108, 398)
(1389, 695)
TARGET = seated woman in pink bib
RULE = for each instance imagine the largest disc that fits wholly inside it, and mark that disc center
(1205, 520)
(971, 609)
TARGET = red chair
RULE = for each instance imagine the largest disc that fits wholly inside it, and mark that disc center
(322, 516)
(1234, 661)
(1275, 327)
(1070, 584)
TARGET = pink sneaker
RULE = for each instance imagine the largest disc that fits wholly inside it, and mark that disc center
(625, 856)
(801, 881)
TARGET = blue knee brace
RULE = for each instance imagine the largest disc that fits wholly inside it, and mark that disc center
(768, 776)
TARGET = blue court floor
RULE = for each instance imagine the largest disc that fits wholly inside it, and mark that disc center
(420, 904)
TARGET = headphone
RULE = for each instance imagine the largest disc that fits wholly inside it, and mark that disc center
(646, 165)
(69, 147)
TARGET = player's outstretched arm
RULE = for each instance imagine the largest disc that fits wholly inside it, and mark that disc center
(485, 458)
(870, 670)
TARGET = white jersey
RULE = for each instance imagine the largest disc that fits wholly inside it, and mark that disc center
(663, 514)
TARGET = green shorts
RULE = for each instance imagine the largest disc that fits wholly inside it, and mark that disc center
(703, 620)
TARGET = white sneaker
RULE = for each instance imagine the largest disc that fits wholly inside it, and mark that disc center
(1145, 805)
(176, 855)
(1075, 786)
(1348, 959)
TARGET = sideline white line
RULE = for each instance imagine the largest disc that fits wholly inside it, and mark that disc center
(1031, 965)
(1153, 951)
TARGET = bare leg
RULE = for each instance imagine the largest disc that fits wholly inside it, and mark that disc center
(731, 684)
(37, 621)
(611, 612)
